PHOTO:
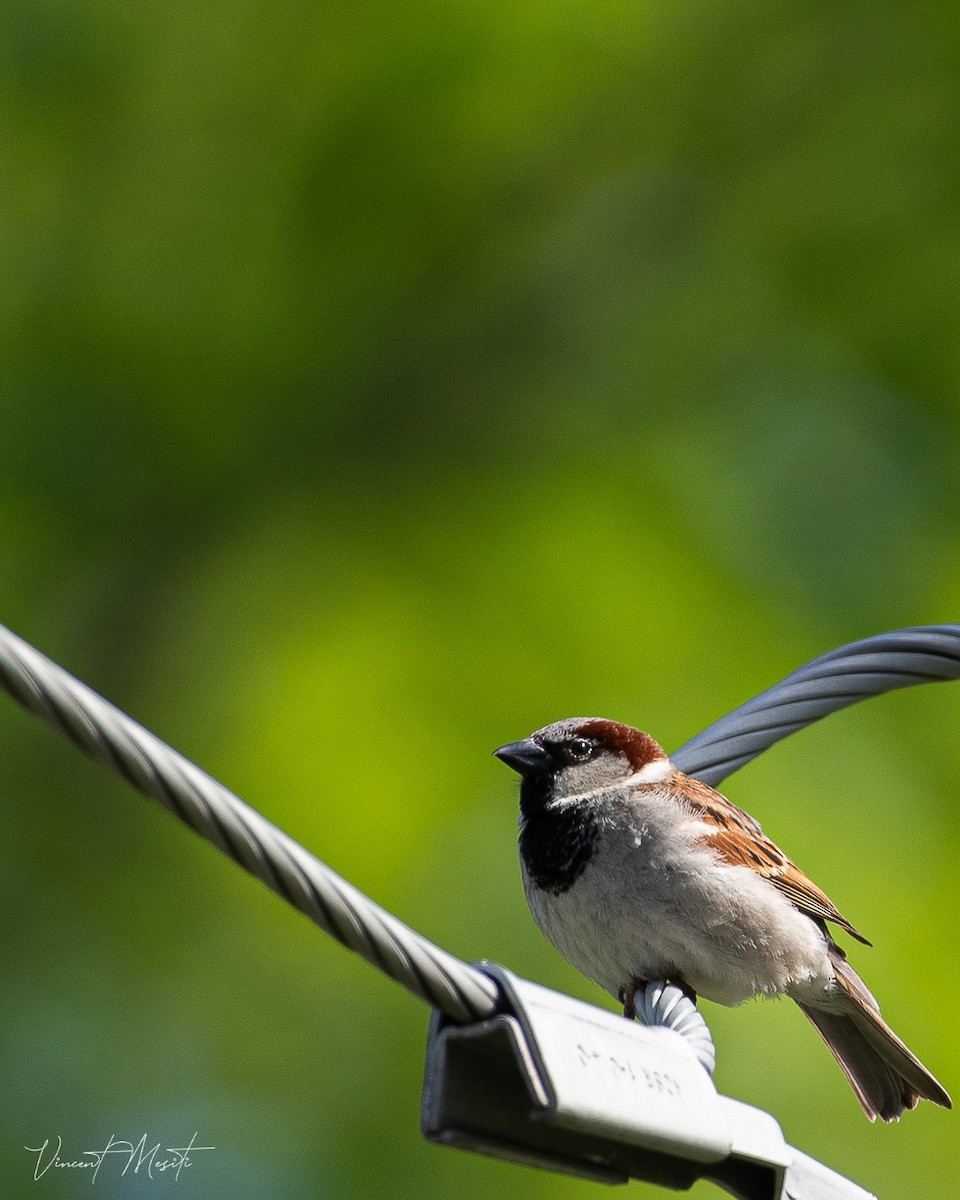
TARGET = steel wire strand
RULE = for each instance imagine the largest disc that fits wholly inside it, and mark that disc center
(835, 680)
(110, 737)
(666, 1006)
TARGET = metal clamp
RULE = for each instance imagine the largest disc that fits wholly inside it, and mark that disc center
(552, 1082)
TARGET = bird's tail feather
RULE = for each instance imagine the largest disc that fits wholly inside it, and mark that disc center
(885, 1075)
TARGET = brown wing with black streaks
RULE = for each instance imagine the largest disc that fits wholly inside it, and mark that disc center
(740, 841)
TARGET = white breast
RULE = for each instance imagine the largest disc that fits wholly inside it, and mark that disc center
(653, 904)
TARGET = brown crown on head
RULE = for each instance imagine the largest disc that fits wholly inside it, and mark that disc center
(637, 748)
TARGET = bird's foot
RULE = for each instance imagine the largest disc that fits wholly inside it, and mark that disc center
(627, 994)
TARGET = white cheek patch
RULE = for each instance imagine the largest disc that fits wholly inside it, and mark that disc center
(653, 772)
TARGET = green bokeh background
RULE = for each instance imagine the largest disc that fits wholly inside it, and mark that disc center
(379, 382)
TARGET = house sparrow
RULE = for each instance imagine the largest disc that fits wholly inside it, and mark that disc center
(637, 872)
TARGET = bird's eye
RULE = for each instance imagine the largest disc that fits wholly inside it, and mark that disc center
(579, 749)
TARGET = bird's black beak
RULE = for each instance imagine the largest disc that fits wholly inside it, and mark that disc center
(527, 757)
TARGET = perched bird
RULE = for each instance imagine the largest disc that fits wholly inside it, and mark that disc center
(637, 872)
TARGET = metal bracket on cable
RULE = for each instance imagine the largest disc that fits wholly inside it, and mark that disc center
(552, 1082)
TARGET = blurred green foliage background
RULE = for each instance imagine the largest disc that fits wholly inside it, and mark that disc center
(379, 382)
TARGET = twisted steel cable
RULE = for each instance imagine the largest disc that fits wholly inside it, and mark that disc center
(922, 654)
(110, 737)
(666, 1006)
(828, 683)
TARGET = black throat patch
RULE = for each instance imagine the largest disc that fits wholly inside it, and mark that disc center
(555, 844)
